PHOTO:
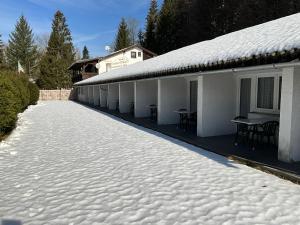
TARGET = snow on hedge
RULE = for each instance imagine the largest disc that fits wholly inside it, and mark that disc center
(73, 165)
(277, 35)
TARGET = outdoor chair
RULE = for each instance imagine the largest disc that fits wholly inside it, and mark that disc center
(183, 119)
(267, 130)
(242, 131)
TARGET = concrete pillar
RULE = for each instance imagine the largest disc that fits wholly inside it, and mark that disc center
(126, 96)
(145, 94)
(90, 95)
(96, 94)
(103, 95)
(216, 105)
(172, 94)
(113, 96)
(289, 131)
(86, 94)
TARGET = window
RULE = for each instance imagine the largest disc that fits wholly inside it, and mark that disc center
(133, 55)
(262, 95)
(265, 92)
(139, 54)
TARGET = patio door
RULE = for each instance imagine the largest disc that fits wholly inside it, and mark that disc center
(193, 95)
(245, 96)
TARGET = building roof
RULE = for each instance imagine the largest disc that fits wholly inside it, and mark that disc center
(128, 49)
(271, 42)
(79, 63)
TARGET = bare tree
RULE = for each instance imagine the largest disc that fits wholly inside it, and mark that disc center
(42, 42)
(133, 26)
(77, 53)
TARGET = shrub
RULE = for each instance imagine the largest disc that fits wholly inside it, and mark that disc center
(15, 96)
(9, 105)
(34, 93)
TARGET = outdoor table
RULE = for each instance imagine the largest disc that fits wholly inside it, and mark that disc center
(153, 111)
(183, 118)
(252, 124)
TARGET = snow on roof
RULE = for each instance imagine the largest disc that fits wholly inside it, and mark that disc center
(278, 35)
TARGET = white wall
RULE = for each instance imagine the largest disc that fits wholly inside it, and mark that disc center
(120, 60)
(216, 104)
(96, 94)
(172, 95)
(145, 93)
(126, 96)
(289, 132)
(103, 95)
(113, 95)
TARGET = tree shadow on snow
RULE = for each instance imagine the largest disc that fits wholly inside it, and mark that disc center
(210, 155)
(10, 222)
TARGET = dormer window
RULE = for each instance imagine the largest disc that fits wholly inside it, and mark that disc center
(133, 55)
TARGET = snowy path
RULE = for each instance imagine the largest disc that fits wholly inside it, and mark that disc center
(67, 164)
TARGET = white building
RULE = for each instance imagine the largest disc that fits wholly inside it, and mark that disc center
(87, 68)
(254, 72)
(123, 57)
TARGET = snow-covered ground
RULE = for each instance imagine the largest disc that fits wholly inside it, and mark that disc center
(68, 164)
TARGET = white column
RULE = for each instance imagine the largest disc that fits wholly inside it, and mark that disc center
(103, 95)
(126, 96)
(91, 95)
(145, 94)
(200, 126)
(172, 94)
(113, 95)
(289, 131)
(96, 95)
(88, 94)
(86, 91)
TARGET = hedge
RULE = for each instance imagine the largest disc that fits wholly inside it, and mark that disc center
(16, 94)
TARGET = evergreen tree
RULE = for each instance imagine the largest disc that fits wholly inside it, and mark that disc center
(151, 25)
(21, 47)
(59, 56)
(165, 27)
(2, 59)
(182, 23)
(85, 53)
(123, 38)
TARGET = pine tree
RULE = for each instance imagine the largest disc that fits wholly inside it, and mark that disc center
(166, 28)
(182, 23)
(85, 53)
(203, 20)
(151, 26)
(122, 39)
(59, 56)
(2, 59)
(21, 47)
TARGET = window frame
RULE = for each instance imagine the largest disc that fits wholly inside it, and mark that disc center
(133, 54)
(254, 92)
(139, 54)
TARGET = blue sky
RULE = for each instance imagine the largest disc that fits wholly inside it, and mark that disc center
(92, 22)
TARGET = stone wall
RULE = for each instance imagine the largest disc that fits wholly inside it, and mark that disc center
(47, 95)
